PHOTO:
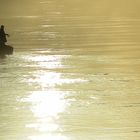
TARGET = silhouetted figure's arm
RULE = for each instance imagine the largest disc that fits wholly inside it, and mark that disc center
(7, 35)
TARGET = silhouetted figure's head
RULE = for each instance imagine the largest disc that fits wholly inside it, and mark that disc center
(2, 27)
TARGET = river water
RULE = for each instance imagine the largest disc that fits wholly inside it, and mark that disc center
(75, 71)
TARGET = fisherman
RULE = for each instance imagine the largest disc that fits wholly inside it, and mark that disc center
(3, 35)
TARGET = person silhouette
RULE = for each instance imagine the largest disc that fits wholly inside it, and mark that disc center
(3, 35)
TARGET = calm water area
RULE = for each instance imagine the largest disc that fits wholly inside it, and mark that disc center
(75, 70)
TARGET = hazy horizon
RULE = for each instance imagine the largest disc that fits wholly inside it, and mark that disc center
(46, 22)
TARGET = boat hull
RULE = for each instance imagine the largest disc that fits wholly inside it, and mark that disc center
(6, 50)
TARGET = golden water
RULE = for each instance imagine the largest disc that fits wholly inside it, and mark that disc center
(74, 74)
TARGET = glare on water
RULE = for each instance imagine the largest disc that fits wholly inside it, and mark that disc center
(46, 107)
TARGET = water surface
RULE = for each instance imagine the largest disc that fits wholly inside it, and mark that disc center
(74, 74)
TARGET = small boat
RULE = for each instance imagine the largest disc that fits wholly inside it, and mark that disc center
(6, 50)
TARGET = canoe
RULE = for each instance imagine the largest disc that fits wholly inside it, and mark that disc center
(6, 50)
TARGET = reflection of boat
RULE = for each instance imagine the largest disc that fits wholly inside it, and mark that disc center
(6, 50)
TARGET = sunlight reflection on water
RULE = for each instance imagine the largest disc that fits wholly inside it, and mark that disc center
(46, 61)
(43, 76)
(46, 107)
(49, 137)
(51, 79)
(47, 103)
